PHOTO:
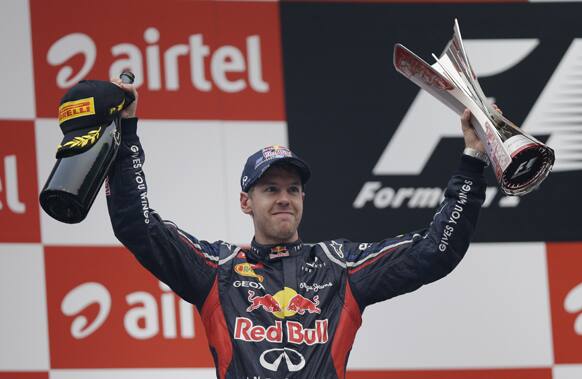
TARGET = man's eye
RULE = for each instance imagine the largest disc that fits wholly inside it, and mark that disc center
(294, 189)
(271, 189)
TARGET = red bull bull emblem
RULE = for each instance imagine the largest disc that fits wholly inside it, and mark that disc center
(302, 304)
(278, 252)
(285, 303)
(267, 302)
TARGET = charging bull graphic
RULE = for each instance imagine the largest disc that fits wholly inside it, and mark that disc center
(285, 303)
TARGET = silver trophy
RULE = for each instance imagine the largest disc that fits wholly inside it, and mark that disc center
(520, 161)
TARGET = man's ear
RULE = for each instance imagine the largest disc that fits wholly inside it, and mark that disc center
(246, 205)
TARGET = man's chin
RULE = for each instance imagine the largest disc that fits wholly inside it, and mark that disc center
(286, 235)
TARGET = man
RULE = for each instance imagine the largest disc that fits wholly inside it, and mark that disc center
(282, 308)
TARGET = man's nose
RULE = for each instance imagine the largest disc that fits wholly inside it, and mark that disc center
(283, 198)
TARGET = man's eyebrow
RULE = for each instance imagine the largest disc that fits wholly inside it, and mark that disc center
(273, 183)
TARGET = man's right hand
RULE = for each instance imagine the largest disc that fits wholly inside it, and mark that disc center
(131, 110)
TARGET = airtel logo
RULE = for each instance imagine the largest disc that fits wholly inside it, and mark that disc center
(573, 304)
(140, 321)
(10, 186)
(225, 62)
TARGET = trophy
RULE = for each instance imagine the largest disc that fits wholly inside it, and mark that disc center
(520, 161)
(89, 116)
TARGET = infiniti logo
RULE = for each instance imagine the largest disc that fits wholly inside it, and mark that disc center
(271, 359)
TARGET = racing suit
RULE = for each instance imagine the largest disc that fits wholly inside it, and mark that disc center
(287, 310)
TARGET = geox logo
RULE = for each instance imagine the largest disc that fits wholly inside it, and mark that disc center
(77, 108)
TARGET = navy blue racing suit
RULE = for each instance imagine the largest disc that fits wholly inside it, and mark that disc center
(287, 310)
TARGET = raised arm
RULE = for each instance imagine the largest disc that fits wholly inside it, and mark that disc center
(186, 264)
(382, 270)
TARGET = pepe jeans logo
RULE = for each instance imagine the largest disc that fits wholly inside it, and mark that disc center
(315, 287)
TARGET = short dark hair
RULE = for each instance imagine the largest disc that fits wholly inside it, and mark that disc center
(287, 166)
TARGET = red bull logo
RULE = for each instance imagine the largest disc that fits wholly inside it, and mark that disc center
(278, 251)
(285, 303)
(245, 330)
(302, 304)
(267, 302)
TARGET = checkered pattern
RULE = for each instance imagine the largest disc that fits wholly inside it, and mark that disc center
(75, 304)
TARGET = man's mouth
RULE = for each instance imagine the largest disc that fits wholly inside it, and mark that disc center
(283, 213)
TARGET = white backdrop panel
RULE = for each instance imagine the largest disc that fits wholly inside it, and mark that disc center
(193, 170)
(492, 311)
(23, 318)
(17, 89)
(567, 372)
(187, 373)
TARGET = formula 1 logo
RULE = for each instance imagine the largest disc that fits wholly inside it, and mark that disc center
(427, 121)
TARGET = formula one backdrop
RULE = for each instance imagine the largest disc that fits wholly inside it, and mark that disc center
(219, 80)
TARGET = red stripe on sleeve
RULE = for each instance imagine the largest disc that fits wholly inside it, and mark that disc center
(354, 270)
(349, 323)
(189, 243)
(216, 330)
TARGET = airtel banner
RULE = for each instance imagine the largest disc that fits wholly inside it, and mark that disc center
(206, 60)
(19, 217)
(565, 278)
(104, 310)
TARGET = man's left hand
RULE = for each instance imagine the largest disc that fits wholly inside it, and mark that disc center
(471, 138)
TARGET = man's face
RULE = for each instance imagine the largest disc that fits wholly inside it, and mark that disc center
(276, 204)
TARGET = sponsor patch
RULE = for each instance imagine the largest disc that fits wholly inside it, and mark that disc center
(248, 269)
(273, 152)
(278, 252)
(82, 141)
(296, 333)
(77, 108)
(284, 303)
